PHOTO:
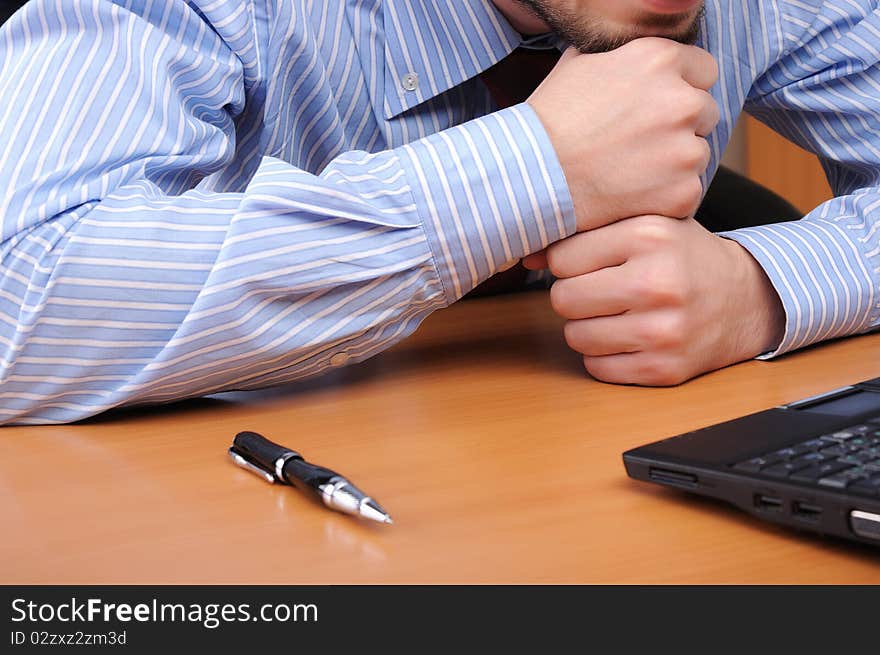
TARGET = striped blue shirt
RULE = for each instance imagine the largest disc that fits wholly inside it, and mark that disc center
(206, 195)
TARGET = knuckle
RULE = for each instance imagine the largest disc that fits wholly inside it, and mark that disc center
(705, 60)
(689, 104)
(641, 288)
(565, 258)
(560, 298)
(654, 53)
(602, 370)
(659, 281)
(660, 290)
(695, 154)
(686, 197)
(660, 372)
(715, 111)
(693, 190)
(705, 159)
(646, 370)
(666, 332)
(712, 65)
(654, 231)
(669, 291)
(589, 367)
(573, 336)
(556, 262)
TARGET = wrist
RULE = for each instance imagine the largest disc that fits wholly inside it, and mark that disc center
(531, 211)
(760, 309)
(574, 167)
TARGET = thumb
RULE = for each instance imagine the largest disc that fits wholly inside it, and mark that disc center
(536, 261)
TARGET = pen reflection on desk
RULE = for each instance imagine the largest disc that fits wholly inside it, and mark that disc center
(276, 463)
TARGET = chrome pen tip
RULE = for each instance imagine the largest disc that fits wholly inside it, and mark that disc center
(370, 509)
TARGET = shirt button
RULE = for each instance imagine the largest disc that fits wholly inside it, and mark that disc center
(410, 82)
(339, 359)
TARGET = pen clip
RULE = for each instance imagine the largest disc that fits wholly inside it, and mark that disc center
(246, 463)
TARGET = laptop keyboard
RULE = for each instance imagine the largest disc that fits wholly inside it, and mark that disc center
(848, 459)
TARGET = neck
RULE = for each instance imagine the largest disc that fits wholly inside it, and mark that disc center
(521, 18)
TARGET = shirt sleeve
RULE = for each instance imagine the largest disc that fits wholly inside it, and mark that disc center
(124, 281)
(824, 95)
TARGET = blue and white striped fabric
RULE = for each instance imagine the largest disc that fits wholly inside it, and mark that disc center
(205, 195)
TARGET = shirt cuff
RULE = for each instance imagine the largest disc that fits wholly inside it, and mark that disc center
(819, 272)
(488, 192)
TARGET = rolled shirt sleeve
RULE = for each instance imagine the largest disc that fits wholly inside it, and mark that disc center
(123, 281)
(824, 94)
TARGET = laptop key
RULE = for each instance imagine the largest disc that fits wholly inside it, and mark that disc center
(856, 459)
(843, 479)
(835, 482)
(867, 486)
(809, 474)
(754, 465)
(784, 469)
(814, 457)
(785, 453)
(817, 471)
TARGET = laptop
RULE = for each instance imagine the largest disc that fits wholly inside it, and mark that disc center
(813, 464)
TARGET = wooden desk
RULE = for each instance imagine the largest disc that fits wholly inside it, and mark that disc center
(498, 458)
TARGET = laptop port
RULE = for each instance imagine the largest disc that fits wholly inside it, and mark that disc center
(673, 478)
(768, 503)
(806, 511)
(865, 524)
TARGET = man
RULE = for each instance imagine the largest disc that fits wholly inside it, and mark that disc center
(216, 194)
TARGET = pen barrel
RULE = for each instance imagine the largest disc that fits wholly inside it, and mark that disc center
(307, 476)
(328, 486)
(274, 462)
(264, 452)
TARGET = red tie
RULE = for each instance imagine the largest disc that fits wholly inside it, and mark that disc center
(511, 81)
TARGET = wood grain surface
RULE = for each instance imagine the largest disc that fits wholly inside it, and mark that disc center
(498, 457)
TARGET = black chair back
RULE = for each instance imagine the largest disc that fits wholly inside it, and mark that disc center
(8, 8)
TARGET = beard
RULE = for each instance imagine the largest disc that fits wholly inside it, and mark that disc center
(590, 36)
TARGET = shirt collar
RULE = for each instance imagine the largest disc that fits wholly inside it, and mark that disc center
(432, 46)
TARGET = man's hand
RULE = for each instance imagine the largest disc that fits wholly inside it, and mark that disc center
(655, 301)
(628, 127)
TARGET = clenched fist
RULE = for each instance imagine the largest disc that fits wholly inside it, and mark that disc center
(654, 300)
(629, 128)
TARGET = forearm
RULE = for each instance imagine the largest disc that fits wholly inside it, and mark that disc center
(148, 300)
(126, 280)
(824, 269)
(143, 298)
(820, 93)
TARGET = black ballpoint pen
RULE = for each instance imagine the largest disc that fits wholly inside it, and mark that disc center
(276, 463)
